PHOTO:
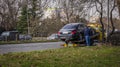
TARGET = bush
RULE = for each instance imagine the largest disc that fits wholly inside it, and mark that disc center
(114, 39)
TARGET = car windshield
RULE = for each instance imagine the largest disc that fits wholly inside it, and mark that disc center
(5, 34)
(70, 26)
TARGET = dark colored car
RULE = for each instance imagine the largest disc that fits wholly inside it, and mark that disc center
(72, 32)
(25, 37)
(9, 35)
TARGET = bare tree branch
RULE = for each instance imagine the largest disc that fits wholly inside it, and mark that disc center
(111, 17)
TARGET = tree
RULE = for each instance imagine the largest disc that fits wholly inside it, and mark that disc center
(36, 14)
(71, 8)
(102, 11)
(8, 13)
(100, 3)
(22, 23)
(111, 17)
(32, 12)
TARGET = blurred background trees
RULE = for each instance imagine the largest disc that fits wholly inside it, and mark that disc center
(22, 25)
(9, 14)
(44, 17)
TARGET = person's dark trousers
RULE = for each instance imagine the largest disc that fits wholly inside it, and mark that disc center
(91, 42)
(87, 38)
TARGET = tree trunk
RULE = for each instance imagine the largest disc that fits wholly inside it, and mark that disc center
(102, 26)
(111, 19)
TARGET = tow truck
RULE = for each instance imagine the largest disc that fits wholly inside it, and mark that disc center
(98, 36)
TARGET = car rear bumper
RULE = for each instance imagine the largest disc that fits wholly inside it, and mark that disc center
(66, 37)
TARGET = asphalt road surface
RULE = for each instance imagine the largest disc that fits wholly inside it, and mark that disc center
(29, 47)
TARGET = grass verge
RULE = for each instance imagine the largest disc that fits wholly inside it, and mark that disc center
(25, 41)
(95, 56)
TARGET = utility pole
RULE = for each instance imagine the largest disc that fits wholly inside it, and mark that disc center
(107, 31)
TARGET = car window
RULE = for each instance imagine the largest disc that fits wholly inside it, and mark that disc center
(81, 27)
(70, 26)
(5, 34)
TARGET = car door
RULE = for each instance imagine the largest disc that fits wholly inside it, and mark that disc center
(81, 28)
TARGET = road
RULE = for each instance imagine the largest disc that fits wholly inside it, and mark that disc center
(29, 47)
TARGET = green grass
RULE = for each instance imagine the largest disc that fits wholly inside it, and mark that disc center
(94, 56)
(25, 41)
